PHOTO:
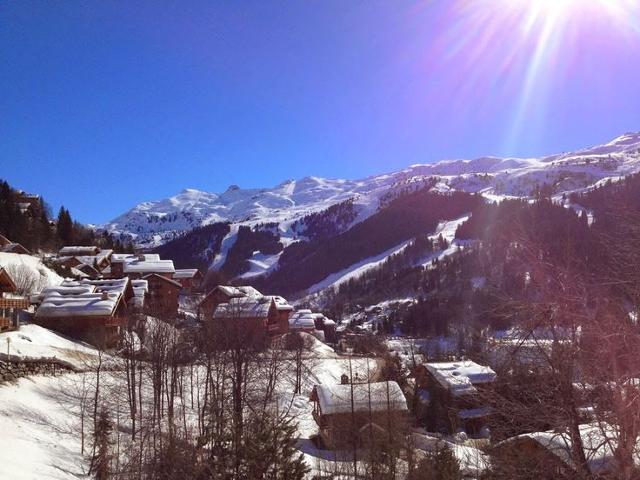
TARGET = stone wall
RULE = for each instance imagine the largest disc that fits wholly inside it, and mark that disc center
(11, 371)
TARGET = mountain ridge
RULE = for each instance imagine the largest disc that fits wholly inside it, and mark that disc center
(152, 223)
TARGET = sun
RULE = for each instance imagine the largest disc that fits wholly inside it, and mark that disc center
(523, 52)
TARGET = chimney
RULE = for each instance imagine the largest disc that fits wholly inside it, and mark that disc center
(105, 295)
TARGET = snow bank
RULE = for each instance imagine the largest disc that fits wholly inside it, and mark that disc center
(35, 342)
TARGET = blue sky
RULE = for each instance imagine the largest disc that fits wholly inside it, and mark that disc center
(106, 104)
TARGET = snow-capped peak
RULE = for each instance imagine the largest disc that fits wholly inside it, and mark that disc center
(151, 223)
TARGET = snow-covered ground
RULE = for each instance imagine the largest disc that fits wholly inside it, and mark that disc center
(40, 421)
(33, 342)
(39, 436)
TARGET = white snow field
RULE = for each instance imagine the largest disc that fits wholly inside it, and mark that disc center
(32, 342)
(38, 431)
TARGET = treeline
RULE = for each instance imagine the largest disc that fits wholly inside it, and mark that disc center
(197, 248)
(305, 263)
(465, 288)
(33, 226)
(327, 223)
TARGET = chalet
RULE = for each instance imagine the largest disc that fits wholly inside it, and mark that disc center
(266, 314)
(224, 294)
(7, 246)
(15, 248)
(90, 260)
(189, 278)
(137, 266)
(302, 321)
(454, 392)
(11, 304)
(90, 271)
(28, 203)
(352, 414)
(163, 294)
(307, 321)
(552, 450)
(86, 308)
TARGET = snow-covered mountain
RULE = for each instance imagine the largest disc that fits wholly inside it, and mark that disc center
(152, 223)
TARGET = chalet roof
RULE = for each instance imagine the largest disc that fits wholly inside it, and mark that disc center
(164, 279)
(281, 303)
(376, 397)
(136, 265)
(14, 248)
(78, 250)
(185, 273)
(98, 258)
(244, 307)
(242, 291)
(6, 282)
(302, 320)
(460, 377)
(83, 298)
(599, 440)
(4, 240)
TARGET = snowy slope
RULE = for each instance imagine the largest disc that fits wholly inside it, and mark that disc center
(34, 342)
(152, 223)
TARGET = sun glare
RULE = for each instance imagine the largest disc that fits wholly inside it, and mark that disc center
(531, 47)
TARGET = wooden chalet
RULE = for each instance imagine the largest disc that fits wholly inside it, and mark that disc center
(189, 278)
(93, 310)
(550, 456)
(137, 266)
(455, 393)
(223, 294)
(11, 304)
(163, 295)
(7, 246)
(266, 314)
(28, 203)
(351, 415)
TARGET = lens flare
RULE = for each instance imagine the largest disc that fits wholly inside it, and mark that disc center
(528, 49)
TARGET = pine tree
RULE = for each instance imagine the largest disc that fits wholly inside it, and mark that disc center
(64, 229)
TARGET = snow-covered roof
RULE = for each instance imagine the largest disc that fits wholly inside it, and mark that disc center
(242, 291)
(281, 303)
(460, 377)
(82, 298)
(162, 278)
(77, 250)
(374, 397)
(185, 273)
(244, 307)
(140, 284)
(599, 441)
(12, 247)
(136, 265)
(302, 320)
